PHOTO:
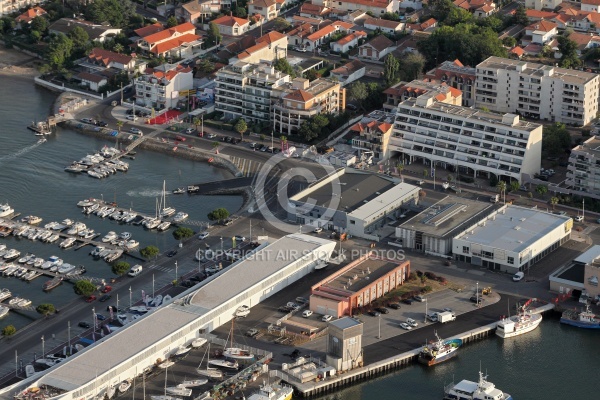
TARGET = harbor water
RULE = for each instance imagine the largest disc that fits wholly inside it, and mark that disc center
(33, 182)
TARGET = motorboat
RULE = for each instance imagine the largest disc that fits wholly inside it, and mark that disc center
(211, 373)
(179, 391)
(24, 303)
(97, 250)
(68, 242)
(139, 309)
(5, 294)
(166, 299)
(38, 262)
(111, 391)
(166, 364)
(53, 238)
(523, 322)
(66, 223)
(51, 262)
(100, 210)
(45, 362)
(125, 235)
(180, 190)
(469, 390)
(29, 370)
(109, 237)
(4, 311)
(122, 318)
(50, 225)
(242, 311)
(130, 217)
(114, 254)
(193, 383)
(87, 203)
(24, 259)
(76, 228)
(45, 236)
(273, 392)
(163, 226)
(84, 232)
(124, 386)
(164, 397)
(51, 284)
(66, 268)
(581, 319)
(20, 272)
(131, 244)
(439, 350)
(180, 216)
(116, 215)
(6, 210)
(152, 223)
(30, 275)
(10, 270)
(199, 342)
(31, 220)
(157, 301)
(225, 364)
(238, 354)
(182, 351)
(90, 234)
(75, 168)
(31, 259)
(12, 254)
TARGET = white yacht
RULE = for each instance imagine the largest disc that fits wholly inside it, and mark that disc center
(12, 254)
(97, 250)
(66, 268)
(52, 262)
(131, 244)
(53, 238)
(109, 237)
(469, 390)
(68, 242)
(179, 391)
(5, 294)
(130, 217)
(3, 311)
(76, 228)
(50, 225)
(6, 210)
(125, 235)
(163, 226)
(152, 223)
(180, 216)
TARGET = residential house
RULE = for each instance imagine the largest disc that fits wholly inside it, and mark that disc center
(584, 41)
(402, 91)
(148, 30)
(384, 25)
(376, 48)
(587, 22)
(377, 7)
(232, 26)
(269, 47)
(158, 87)
(314, 40)
(355, 16)
(540, 32)
(196, 10)
(95, 32)
(179, 41)
(266, 8)
(349, 72)
(345, 27)
(299, 33)
(458, 76)
(372, 136)
(317, 23)
(516, 52)
(100, 59)
(428, 25)
(29, 15)
(533, 50)
(479, 8)
(535, 15)
(414, 4)
(300, 100)
(92, 81)
(310, 10)
(11, 6)
(590, 5)
(542, 4)
(348, 42)
(236, 47)
(537, 91)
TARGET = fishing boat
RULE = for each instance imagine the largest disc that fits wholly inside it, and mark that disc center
(51, 284)
(273, 392)
(439, 351)
(518, 324)
(581, 319)
(469, 390)
(193, 383)
(179, 391)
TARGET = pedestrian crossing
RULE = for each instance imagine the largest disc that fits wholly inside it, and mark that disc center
(246, 167)
(164, 268)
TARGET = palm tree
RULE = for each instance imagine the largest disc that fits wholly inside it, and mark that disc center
(120, 125)
(400, 168)
(502, 189)
(118, 48)
(197, 122)
(215, 146)
(553, 201)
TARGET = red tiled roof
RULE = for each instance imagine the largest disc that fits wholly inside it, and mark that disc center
(371, 3)
(271, 37)
(263, 3)
(250, 50)
(543, 25)
(349, 68)
(299, 95)
(532, 48)
(383, 23)
(105, 57)
(167, 33)
(168, 75)
(351, 37)
(321, 33)
(165, 46)
(30, 14)
(540, 14)
(517, 51)
(312, 9)
(230, 20)
(91, 77)
(149, 30)
(342, 24)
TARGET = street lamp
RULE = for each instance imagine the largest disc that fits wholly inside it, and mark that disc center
(425, 321)
(477, 295)
(221, 245)
(379, 327)
(175, 270)
(94, 319)
(69, 336)
(152, 285)
(43, 347)
(129, 296)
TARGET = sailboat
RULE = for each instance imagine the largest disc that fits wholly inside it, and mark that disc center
(209, 372)
(188, 383)
(179, 391)
(165, 211)
(165, 396)
(151, 223)
(235, 352)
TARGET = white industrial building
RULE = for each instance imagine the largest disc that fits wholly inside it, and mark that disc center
(512, 238)
(157, 335)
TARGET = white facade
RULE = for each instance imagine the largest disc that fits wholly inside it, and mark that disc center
(414, 4)
(583, 171)
(159, 88)
(590, 5)
(512, 238)
(11, 6)
(476, 142)
(158, 334)
(537, 91)
(540, 4)
(377, 7)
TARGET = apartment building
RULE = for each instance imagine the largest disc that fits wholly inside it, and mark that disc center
(401, 91)
(437, 134)
(583, 171)
(299, 100)
(459, 76)
(537, 91)
(372, 134)
(244, 90)
(159, 87)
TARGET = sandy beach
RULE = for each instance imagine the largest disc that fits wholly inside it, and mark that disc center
(15, 63)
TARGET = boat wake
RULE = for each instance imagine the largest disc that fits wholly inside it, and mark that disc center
(19, 153)
(144, 193)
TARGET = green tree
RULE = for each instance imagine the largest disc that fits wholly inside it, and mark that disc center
(9, 330)
(391, 70)
(59, 51)
(240, 12)
(520, 17)
(358, 92)
(39, 24)
(457, 16)
(45, 309)
(553, 201)
(171, 22)
(213, 36)
(541, 190)
(509, 41)
(35, 36)
(311, 75)
(149, 252)
(120, 125)
(117, 13)
(391, 16)
(502, 189)
(241, 127)
(411, 66)
(281, 24)
(307, 132)
(120, 267)
(215, 145)
(84, 288)
(118, 48)
(79, 37)
(218, 214)
(440, 9)
(206, 66)
(514, 186)
(555, 140)
(7, 24)
(568, 50)
(284, 66)
(400, 168)
(183, 233)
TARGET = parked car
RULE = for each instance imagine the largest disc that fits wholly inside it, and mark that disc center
(135, 130)
(327, 318)
(190, 131)
(100, 317)
(407, 301)
(132, 117)
(579, 218)
(239, 238)
(211, 136)
(90, 299)
(252, 332)
(412, 322)
(180, 138)
(307, 313)
(197, 278)
(188, 284)
(318, 230)
(374, 313)
(84, 324)
(253, 145)
(351, 107)
(476, 299)
(104, 298)
(419, 298)
(101, 123)
(302, 300)
(448, 310)
(518, 276)
(106, 289)
(406, 326)
(203, 235)
(394, 306)
(382, 310)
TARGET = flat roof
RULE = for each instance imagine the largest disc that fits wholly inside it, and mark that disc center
(345, 323)
(383, 200)
(590, 146)
(589, 255)
(252, 270)
(446, 216)
(575, 273)
(361, 275)
(514, 229)
(355, 189)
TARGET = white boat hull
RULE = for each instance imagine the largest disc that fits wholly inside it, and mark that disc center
(524, 328)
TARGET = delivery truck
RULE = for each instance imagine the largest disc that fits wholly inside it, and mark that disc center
(445, 316)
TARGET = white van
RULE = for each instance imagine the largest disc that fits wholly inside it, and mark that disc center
(135, 270)
(518, 276)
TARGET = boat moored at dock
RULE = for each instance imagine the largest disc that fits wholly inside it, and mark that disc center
(523, 322)
(469, 390)
(581, 319)
(439, 351)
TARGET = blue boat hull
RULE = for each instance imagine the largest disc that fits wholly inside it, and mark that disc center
(579, 324)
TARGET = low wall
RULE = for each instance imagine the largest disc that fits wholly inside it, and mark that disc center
(53, 86)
